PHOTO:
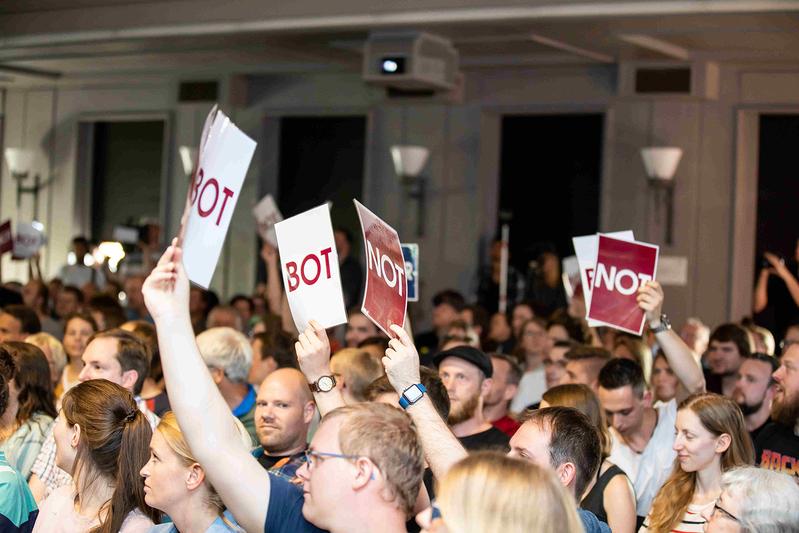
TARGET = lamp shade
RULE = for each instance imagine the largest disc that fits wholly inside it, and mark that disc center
(19, 160)
(661, 161)
(188, 156)
(409, 160)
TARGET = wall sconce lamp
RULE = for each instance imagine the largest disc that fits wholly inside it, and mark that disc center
(20, 163)
(188, 157)
(408, 164)
(661, 163)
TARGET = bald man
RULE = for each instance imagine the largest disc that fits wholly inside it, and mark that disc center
(284, 409)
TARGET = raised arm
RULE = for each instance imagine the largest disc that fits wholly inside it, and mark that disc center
(682, 360)
(785, 275)
(313, 355)
(203, 415)
(441, 448)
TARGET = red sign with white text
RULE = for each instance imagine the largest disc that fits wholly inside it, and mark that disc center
(6, 237)
(621, 268)
(385, 297)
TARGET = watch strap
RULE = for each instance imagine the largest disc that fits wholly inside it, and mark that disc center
(664, 325)
(405, 402)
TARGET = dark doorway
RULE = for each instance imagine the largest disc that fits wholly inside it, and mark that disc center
(322, 159)
(777, 216)
(127, 162)
(549, 181)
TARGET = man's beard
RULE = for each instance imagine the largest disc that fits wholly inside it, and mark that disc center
(747, 409)
(461, 412)
(785, 409)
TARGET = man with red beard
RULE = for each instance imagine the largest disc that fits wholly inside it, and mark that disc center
(777, 446)
(467, 375)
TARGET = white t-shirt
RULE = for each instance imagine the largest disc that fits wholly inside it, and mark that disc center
(531, 387)
(650, 469)
(57, 515)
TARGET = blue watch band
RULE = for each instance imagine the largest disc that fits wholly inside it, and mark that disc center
(407, 400)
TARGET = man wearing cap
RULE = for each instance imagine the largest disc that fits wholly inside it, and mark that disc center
(466, 373)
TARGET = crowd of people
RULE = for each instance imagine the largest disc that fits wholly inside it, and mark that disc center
(139, 403)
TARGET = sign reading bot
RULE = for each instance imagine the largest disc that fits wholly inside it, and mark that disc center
(385, 296)
(310, 268)
(621, 268)
(225, 156)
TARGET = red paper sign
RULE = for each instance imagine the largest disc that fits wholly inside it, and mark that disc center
(621, 268)
(385, 297)
(6, 237)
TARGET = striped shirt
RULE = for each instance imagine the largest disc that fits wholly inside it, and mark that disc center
(692, 521)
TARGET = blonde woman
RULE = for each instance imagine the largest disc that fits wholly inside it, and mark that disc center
(711, 439)
(53, 350)
(610, 494)
(175, 483)
(491, 492)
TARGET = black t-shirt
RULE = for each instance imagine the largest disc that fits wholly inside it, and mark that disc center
(712, 381)
(490, 439)
(755, 432)
(777, 448)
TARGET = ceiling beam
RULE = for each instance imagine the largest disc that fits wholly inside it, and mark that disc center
(576, 50)
(656, 45)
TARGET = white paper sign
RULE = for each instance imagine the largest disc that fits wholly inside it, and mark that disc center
(28, 240)
(586, 248)
(213, 196)
(309, 263)
(266, 216)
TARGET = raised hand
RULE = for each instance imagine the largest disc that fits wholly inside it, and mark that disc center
(777, 264)
(313, 351)
(268, 253)
(401, 360)
(650, 299)
(166, 289)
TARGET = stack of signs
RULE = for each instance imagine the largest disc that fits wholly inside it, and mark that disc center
(28, 240)
(410, 253)
(6, 237)
(310, 268)
(385, 297)
(614, 266)
(224, 157)
(266, 216)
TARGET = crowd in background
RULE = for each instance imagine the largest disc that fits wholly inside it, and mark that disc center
(133, 401)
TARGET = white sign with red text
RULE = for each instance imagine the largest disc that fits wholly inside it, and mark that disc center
(214, 191)
(310, 268)
(585, 248)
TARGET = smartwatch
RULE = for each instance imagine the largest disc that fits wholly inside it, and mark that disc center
(411, 395)
(323, 384)
(665, 325)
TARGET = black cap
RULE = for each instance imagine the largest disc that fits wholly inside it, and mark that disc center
(469, 354)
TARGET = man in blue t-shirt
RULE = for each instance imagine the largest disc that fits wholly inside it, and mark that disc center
(364, 465)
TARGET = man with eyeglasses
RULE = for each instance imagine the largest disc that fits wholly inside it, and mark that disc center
(353, 481)
(777, 445)
(754, 391)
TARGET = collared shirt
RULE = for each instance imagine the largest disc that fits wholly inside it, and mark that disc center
(49, 473)
(650, 469)
(285, 467)
(245, 412)
(17, 507)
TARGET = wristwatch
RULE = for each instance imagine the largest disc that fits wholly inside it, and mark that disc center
(665, 325)
(411, 395)
(323, 384)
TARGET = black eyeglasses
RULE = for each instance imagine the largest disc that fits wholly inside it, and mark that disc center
(725, 513)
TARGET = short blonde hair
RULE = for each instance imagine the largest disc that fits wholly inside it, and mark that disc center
(488, 491)
(386, 436)
(358, 370)
(170, 430)
(43, 340)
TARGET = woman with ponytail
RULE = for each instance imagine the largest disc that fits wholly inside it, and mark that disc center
(102, 439)
(175, 483)
(711, 439)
